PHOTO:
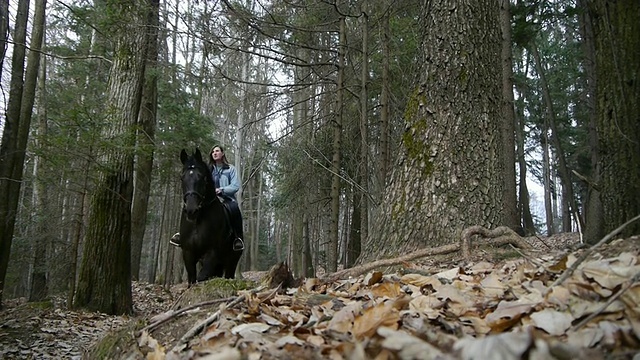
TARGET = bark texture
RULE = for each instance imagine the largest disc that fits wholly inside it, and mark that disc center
(450, 174)
(105, 273)
(617, 43)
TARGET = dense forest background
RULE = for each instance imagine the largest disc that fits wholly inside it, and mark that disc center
(360, 129)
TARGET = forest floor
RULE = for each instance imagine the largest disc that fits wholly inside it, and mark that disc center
(500, 303)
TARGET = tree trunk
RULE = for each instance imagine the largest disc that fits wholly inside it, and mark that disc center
(4, 31)
(105, 274)
(617, 40)
(334, 235)
(384, 104)
(364, 138)
(593, 229)
(546, 174)
(565, 177)
(449, 175)
(11, 151)
(39, 285)
(145, 143)
(508, 126)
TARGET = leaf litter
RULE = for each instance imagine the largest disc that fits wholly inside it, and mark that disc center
(509, 309)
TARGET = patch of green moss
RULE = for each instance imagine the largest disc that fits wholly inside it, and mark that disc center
(221, 287)
(412, 137)
(41, 305)
(116, 344)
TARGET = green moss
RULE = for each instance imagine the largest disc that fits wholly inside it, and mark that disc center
(116, 344)
(41, 305)
(223, 287)
(416, 148)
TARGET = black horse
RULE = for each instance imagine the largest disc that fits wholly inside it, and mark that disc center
(205, 229)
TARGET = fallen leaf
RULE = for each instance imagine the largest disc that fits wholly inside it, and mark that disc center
(552, 321)
(494, 347)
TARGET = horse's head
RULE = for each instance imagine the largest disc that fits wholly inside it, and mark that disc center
(197, 184)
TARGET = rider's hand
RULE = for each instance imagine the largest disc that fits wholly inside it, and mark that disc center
(218, 191)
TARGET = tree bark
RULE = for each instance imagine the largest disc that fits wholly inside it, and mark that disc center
(450, 173)
(105, 274)
(332, 258)
(617, 40)
(593, 229)
(508, 126)
(11, 151)
(4, 31)
(39, 285)
(145, 142)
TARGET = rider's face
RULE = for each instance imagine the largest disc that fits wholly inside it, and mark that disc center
(216, 154)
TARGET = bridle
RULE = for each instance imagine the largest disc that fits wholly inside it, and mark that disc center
(201, 197)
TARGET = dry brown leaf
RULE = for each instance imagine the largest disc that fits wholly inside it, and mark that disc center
(373, 277)
(382, 314)
(342, 320)
(407, 346)
(493, 286)
(553, 322)
(495, 347)
(420, 280)
(389, 290)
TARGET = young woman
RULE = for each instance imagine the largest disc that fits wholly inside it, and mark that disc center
(227, 182)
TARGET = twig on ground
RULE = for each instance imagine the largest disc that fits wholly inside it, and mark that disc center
(177, 313)
(604, 306)
(203, 324)
(586, 254)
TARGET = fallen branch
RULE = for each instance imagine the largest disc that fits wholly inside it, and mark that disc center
(175, 313)
(365, 268)
(604, 306)
(184, 340)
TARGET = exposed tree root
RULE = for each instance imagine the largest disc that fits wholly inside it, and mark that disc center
(499, 236)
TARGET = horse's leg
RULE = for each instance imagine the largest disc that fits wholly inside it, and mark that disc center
(231, 260)
(190, 262)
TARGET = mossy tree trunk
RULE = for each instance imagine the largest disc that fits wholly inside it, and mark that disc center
(617, 46)
(105, 274)
(450, 174)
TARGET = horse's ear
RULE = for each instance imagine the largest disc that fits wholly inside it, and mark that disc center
(198, 155)
(183, 156)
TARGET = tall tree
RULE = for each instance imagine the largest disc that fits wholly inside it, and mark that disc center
(105, 274)
(449, 175)
(16, 132)
(145, 141)
(336, 160)
(511, 218)
(617, 40)
(39, 286)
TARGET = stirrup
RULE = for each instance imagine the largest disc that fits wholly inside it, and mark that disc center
(238, 244)
(175, 239)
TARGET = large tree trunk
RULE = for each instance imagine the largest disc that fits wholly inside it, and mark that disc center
(450, 173)
(13, 146)
(39, 286)
(617, 40)
(145, 143)
(593, 229)
(511, 218)
(105, 274)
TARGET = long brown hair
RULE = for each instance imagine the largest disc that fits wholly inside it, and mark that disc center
(224, 156)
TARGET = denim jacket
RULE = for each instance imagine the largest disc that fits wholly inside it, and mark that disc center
(226, 178)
